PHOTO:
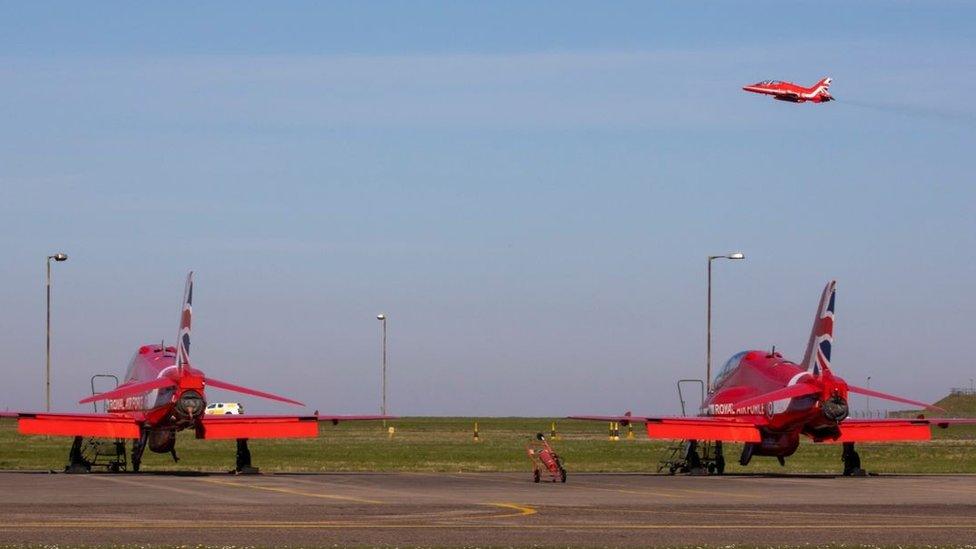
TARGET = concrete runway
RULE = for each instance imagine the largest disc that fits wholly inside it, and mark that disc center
(483, 509)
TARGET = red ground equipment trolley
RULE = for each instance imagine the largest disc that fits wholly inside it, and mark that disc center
(543, 457)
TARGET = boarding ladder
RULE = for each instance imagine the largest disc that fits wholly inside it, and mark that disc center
(692, 456)
(97, 452)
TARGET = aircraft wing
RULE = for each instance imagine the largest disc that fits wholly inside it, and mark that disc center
(893, 430)
(216, 427)
(231, 426)
(737, 429)
(77, 425)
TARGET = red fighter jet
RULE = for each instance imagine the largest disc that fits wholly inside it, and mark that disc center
(788, 91)
(766, 402)
(162, 394)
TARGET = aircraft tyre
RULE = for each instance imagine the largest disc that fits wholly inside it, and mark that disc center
(719, 458)
(138, 447)
(76, 462)
(746, 456)
(852, 461)
(562, 475)
(536, 476)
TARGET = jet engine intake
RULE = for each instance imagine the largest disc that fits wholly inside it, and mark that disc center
(190, 406)
(835, 408)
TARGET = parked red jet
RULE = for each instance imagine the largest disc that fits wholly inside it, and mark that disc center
(788, 91)
(765, 401)
(162, 394)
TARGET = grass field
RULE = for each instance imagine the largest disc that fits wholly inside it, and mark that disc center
(445, 444)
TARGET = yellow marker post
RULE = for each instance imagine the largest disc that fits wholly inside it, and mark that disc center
(390, 431)
(630, 431)
(552, 431)
(476, 437)
(610, 436)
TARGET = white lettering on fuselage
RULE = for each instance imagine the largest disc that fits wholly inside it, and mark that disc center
(729, 409)
(127, 404)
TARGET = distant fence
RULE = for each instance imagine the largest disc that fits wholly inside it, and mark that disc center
(969, 391)
(867, 414)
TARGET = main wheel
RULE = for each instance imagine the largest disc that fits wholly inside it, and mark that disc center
(562, 475)
(536, 477)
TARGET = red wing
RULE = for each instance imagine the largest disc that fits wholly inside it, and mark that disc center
(893, 430)
(78, 425)
(745, 429)
(248, 391)
(243, 426)
(130, 390)
(215, 427)
(705, 428)
(883, 430)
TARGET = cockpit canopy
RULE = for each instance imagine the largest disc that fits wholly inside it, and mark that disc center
(731, 364)
(768, 83)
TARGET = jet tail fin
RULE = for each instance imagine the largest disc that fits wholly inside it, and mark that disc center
(816, 359)
(822, 88)
(183, 338)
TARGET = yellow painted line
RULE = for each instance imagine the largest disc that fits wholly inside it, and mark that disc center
(168, 488)
(561, 526)
(523, 510)
(290, 491)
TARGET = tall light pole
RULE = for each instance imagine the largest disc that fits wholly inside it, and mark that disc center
(708, 329)
(382, 318)
(47, 379)
(867, 398)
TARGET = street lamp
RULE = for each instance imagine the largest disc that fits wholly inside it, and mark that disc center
(867, 398)
(708, 347)
(47, 383)
(382, 318)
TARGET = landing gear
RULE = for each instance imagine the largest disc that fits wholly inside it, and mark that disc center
(719, 466)
(746, 456)
(76, 462)
(138, 447)
(695, 458)
(244, 459)
(852, 461)
(693, 461)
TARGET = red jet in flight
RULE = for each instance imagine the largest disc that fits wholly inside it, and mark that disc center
(788, 91)
(766, 402)
(162, 394)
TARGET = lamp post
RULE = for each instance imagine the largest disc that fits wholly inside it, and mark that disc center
(867, 398)
(708, 329)
(47, 378)
(382, 318)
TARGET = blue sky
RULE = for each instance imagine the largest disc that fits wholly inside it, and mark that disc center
(529, 192)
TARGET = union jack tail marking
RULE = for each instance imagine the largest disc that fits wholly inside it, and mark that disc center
(183, 339)
(817, 357)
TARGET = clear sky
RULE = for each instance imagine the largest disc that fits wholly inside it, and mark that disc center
(528, 190)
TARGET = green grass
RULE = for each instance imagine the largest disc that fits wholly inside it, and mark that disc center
(445, 444)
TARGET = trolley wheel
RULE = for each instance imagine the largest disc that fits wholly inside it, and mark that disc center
(562, 475)
(712, 468)
(672, 470)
